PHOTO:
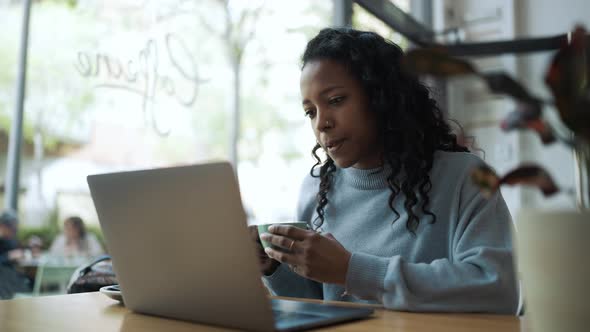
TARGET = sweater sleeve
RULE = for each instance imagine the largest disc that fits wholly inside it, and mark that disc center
(477, 277)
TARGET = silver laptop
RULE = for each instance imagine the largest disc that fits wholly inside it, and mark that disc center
(181, 249)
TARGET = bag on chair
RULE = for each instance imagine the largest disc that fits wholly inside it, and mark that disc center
(92, 277)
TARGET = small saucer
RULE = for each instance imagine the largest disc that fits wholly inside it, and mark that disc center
(113, 291)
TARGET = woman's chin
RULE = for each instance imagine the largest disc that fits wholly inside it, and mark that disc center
(343, 163)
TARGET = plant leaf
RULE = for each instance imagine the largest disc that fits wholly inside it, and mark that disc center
(531, 175)
(524, 113)
(435, 62)
(500, 82)
(567, 78)
(543, 130)
(528, 116)
(485, 179)
(581, 116)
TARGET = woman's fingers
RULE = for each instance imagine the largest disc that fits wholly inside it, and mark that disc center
(279, 241)
(292, 232)
(280, 256)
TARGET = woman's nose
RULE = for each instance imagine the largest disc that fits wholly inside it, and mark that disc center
(323, 122)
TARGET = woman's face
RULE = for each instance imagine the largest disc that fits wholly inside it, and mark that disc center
(339, 113)
(71, 231)
(6, 232)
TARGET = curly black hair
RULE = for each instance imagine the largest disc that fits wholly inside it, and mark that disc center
(411, 125)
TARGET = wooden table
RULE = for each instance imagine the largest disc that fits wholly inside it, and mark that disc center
(96, 312)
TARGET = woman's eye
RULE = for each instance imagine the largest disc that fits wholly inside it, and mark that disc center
(309, 113)
(336, 100)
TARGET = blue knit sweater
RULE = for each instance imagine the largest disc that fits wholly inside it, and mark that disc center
(461, 263)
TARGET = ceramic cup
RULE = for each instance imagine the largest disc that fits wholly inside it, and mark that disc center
(263, 228)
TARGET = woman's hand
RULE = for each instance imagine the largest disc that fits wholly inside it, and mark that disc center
(16, 255)
(309, 254)
(267, 264)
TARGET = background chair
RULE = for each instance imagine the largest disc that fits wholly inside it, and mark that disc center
(52, 279)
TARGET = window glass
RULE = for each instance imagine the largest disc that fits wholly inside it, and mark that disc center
(131, 84)
(363, 20)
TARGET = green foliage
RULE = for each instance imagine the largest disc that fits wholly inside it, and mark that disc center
(38, 66)
(28, 131)
(51, 229)
(53, 218)
(46, 233)
(67, 3)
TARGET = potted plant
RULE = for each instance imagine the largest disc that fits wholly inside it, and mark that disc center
(551, 246)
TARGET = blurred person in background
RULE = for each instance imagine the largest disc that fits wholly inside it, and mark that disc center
(10, 280)
(75, 241)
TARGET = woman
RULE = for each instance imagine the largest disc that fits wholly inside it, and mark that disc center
(401, 223)
(75, 241)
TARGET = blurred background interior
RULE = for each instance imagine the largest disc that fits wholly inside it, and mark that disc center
(130, 84)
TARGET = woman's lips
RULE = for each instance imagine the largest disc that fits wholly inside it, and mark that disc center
(335, 146)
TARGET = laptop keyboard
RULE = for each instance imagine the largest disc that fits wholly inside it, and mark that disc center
(292, 315)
